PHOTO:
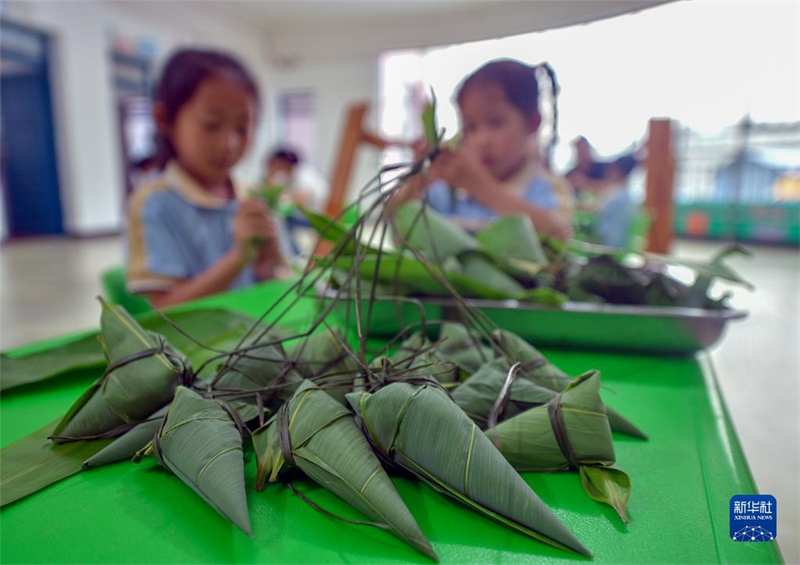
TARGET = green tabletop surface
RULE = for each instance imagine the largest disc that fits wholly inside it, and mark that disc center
(683, 479)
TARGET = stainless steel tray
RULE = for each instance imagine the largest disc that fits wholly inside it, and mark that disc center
(606, 326)
(654, 329)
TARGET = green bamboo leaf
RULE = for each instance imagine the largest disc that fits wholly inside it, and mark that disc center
(477, 395)
(550, 376)
(429, 123)
(270, 194)
(263, 369)
(614, 282)
(334, 230)
(329, 228)
(607, 485)
(458, 459)
(715, 268)
(457, 347)
(84, 353)
(321, 354)
(528, 440)
(125, 447)
(349, 286)
(328, 446)
(213, 327)
(545, 295)
(513, 243)
(409, 272)
(201, 445)
(415, 355)
(130, 392)
(34, 462)
(535, 365)
(424, 229)
(476, 266)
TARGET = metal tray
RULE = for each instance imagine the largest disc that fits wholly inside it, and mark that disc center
(652, 329)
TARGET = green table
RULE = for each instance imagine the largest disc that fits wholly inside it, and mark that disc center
(683, 479)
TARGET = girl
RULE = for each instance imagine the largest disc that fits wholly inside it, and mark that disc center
(187, 234)
(496, 170)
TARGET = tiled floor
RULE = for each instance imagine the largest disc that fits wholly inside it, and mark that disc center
(47, 288)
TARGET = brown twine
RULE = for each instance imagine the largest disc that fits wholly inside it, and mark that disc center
(560, 431)
(283, 433)
(504, 397)
(187, 376)
(321, 510)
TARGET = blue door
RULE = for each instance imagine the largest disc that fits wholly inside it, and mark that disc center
(30, 169)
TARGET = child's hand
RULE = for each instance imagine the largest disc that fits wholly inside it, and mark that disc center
(420, 148)
(553, 225)
(252, 227)
(578, 180)
(461, 168)
(269, 262)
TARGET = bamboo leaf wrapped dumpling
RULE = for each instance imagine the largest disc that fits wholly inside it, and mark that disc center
(457, 460)
(550, 376)
(570, 432)
(432, 234)
(465, 351)
(200, 442)
(142, 375)
(416, 354)
(477, 395)
(535, 365)
(315, 433)
(512, 242)
(322, 356)
(262, 367)
(476, 266)
(126, 446)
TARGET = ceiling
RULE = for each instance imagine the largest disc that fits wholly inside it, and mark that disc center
(297, 30)
(271, 13)
(338, 28)
(275, 14)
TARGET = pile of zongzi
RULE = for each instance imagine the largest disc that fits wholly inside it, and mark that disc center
(314, 407)
(435, 257)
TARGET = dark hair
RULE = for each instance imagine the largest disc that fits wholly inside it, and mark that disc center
(625, 164)
(520, 83)
(285, 154)
(182, 75)
(144, 162)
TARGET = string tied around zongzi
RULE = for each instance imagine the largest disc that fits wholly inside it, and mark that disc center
(283, 433)
(504, 397)
(556, 415)
(187, 376)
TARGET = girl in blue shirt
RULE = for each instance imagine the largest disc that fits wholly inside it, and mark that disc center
(496, 170)
(188, 236)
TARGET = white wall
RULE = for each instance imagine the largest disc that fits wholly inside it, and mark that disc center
(336, 85)
(85, 115)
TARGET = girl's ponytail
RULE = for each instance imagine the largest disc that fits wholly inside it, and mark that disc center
(547, 70)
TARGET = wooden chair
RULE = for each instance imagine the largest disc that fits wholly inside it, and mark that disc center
(354, 135)
(659, 188)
